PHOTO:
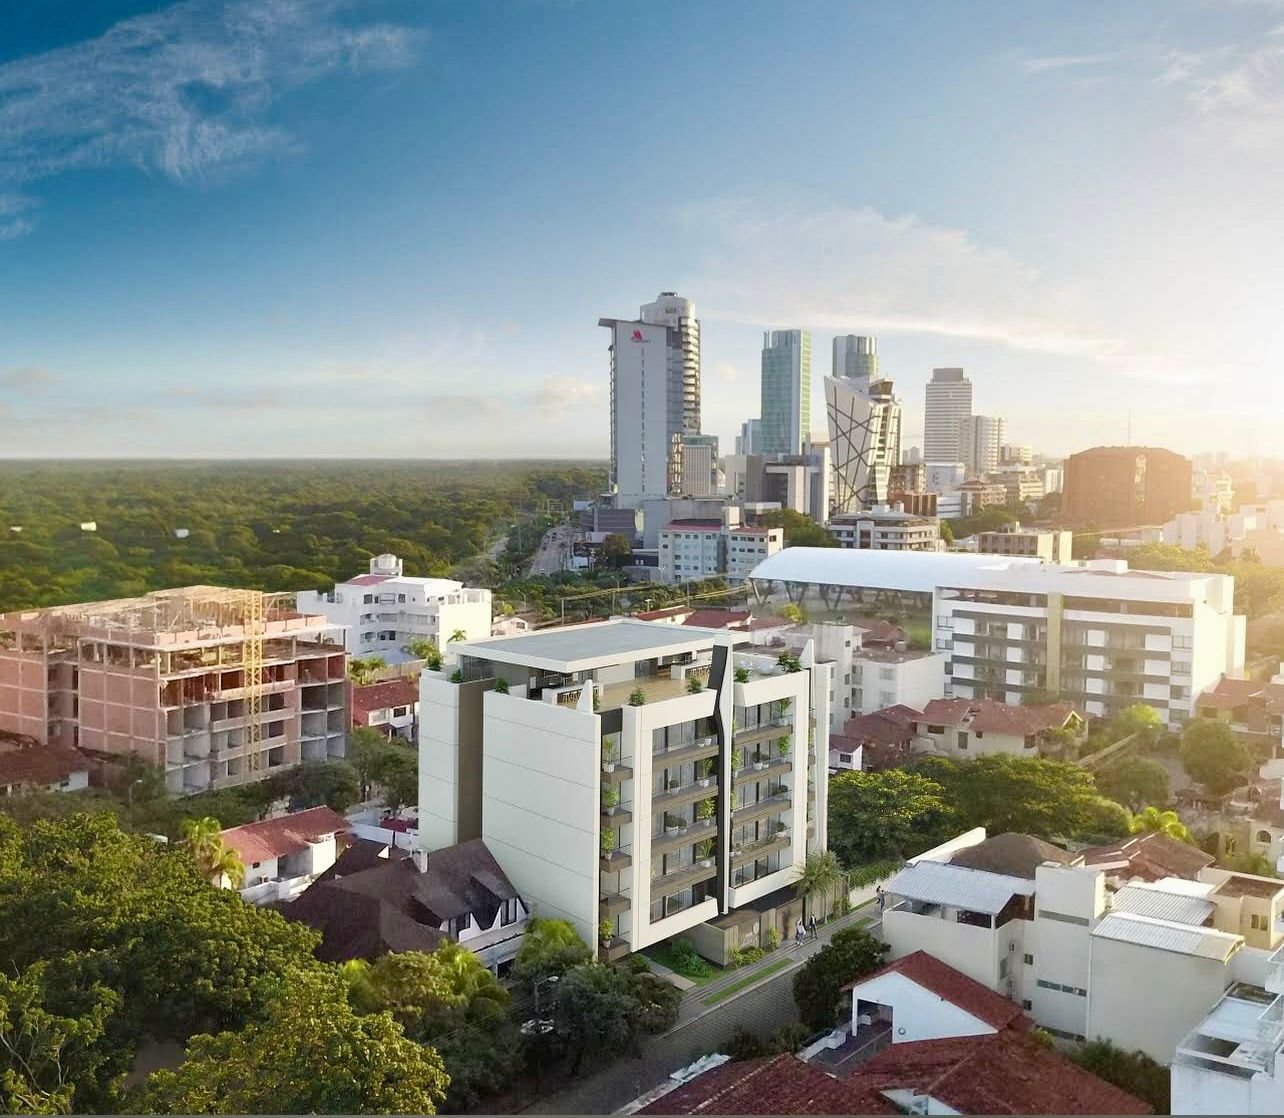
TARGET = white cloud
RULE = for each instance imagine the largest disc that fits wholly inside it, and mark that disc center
(728, 372)
(182, 91)
(558, 394)
(1065, 62)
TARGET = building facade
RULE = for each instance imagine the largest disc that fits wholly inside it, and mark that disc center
(382, 611)
(884, 528)
(864, 441)
(948, 402)
(1126, 486)
(855, 358)
(610, 788)
(786, 391)
(216, 687)
(1051, 544)
(980, 437)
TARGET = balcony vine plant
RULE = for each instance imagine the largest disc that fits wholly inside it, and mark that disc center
(705, 808)
(742, 675)
(637, 697)
(610, 797)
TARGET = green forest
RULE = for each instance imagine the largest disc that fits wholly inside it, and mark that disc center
(272, 525)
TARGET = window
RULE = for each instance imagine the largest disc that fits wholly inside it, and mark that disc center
(509, 914)
(368, 600)
(1025, 1004)
(401, 598)
(963, 739)
(1263, 836)
(1177, 691)
(886, 698)
(935, 729)
(1003, 967)
(1256, 923)
(845, 758)
(1029, 960)
(886, 673)
(1183, 642)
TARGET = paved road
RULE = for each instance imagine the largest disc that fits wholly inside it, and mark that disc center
(550, 555)
(763, 1010)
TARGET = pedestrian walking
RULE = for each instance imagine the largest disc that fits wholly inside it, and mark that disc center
(882, 899)
(800, 932)
(812, 927)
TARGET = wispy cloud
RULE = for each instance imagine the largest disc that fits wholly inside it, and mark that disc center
(1066, 62)
(27, 380)
(182, 92)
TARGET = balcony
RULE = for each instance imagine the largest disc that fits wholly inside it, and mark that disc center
(700, 789)
(610, 905)
(669, 883)
(772, 805)
(1275, 972)
(617, 775)
(615, 861)
(685, 754)
(616, 949)
(685, 836)
(765, 731)
(752, 851)
(615, 818)
(778, 766)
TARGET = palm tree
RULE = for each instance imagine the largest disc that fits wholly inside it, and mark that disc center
(1165, 822)
(226, 865)
(215, 861)
(458, 635)
(822, 874)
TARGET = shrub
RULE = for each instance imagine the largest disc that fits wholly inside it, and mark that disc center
(773, 939)
(694, 685)
(457, 676)
(873, 872)
(605, 931)
(742, 675)
(744, 1045)
(705, 809)
(788, 662)
(746, 955)
(501, 686)
(608, 843)
(637, 697)
(610, 796)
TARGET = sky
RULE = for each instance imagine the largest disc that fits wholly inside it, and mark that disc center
(387, 228)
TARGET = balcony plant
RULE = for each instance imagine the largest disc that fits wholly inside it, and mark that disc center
(610, 754)
(674, 784)
(605, 932)
(703, 769)
(694, 685)
(637, 697)
(737, 759)
(457, 676)
(742, 675)
(788, 662)
(704, 852)
(706, 808)
(610, 797)
(672, 823)
(783, 746)
(501, 686)
(759, 762)
(783, 706)
(608, 843)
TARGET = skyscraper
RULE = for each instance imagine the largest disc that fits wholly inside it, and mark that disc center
(979, 440)
(949, 400)
(786, 391)
(864, 420)
(655, 396)
(855, 357)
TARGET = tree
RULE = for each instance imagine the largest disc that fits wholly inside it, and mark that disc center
(421, 648)
(793, 612)
(947, 533)
(333, 783)
(1031, 795)
(617, 550)
(818, 984)
(458, 635)
(399, 778)
(366, 750)
(1134, 1072)
(605, 1011)
(1134, 781)
(217, 862)
(822, 875)
(549, 948)
(1164, 822)
(451, 1002)
(800, 530)
(363, 670)
(1213, 756)
(1140, 719)
(886, 814)
(310, 1054)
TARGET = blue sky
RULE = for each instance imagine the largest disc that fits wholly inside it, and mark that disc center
(388, 227)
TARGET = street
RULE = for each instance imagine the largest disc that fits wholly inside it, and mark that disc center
(553, 550)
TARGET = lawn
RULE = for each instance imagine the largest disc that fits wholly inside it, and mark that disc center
(686, 963)
(748, 980)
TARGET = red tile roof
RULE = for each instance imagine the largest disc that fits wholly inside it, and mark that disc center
(385, 695)
(946, 712)
(368, 580)
(892, 725)
(1003, 1073)
(992, 716)
(661, 614)
(877, 631)
(954, 987)
(288, 834)
(1151, 856)
(28, 763)
(718, 618)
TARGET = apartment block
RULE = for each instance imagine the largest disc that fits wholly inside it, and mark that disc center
(649, 775)
(699, 549)
(1126, 486)
(382, 611)
(886, 528)
(217, 687)
(1055, 545)
(1098, 634)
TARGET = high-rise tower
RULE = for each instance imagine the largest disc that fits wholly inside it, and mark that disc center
(855, 357)
(949, 401)
(786, 391)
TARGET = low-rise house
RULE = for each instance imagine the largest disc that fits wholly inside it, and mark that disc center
(283, 856)
(924, 1039)
(1151, 856)
(391, 707)
(970, 728)
(874, 742)
(397, 903)
(28, 766)
(1254, 710)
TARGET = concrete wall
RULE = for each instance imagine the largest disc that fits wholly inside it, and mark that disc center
(972, 950)
(1202, 1091)
(1141, 997)
(1069, 902)
(917, 1013)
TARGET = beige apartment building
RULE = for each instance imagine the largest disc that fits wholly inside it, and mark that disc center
(216, 686)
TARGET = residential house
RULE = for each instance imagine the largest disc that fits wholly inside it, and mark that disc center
(28, 766)
(283, 856)
(390, 902)
(874, 742)
(970, 728)
(391, 707)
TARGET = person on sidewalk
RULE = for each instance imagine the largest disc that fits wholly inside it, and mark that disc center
(812, 927)
(800, 932)
(882, 900)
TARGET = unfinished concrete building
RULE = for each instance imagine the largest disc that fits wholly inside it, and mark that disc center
(217, 686)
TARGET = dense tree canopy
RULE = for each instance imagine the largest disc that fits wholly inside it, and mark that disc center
(818, 984)
(879, 815)
(800, 530)
(1259, 590)
(1134, 782)
(549, 948)
(1213, 756)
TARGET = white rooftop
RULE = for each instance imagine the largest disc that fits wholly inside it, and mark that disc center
(958, 886)
(597, 644)
(1168, 935)
(1163, 904)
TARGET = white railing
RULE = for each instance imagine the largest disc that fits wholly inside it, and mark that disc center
(1275, 972)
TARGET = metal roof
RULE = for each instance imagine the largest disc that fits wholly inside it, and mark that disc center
(593, 645)
(1163, 905)
(1167, 935)
(941, 883)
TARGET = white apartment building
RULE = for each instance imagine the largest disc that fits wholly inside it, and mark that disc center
(980, 437)
(1139, 965)
(382, 611)
(1100, 635)
(747, 546)
(944, 477)
(871, 679)
(608, 789)
(1256, 528)
(698, 549)
(886, 528)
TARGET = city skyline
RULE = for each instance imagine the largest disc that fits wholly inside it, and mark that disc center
(235, 224)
